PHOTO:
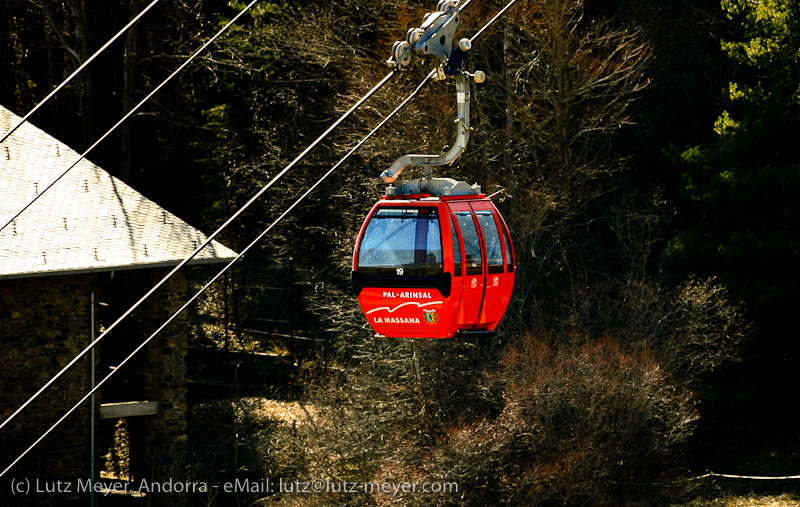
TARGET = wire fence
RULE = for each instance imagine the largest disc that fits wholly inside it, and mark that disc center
(259, 307)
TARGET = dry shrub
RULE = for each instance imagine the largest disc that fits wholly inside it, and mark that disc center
(704, 330)
(546, 422)
(581, 424)
(380, 414)
(695, 329)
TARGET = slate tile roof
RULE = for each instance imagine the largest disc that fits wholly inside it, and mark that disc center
(89, 221)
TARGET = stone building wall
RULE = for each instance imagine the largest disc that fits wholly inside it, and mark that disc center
(44, 323)
(165, 381)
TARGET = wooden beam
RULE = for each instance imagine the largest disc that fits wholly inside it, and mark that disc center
(128, 409)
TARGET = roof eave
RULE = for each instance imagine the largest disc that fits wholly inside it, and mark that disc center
(106, 269)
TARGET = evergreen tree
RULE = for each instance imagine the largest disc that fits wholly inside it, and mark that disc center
(740, 187)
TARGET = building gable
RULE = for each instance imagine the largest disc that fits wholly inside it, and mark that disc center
(88, 221)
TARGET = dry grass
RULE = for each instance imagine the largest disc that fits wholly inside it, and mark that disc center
(785, 500)
(283, 412)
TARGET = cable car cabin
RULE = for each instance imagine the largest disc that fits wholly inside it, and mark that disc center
(432, 267)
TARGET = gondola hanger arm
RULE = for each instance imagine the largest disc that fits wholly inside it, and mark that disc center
(462, 136)
(435, 38)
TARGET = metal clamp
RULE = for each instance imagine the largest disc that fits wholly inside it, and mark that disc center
(433, 37)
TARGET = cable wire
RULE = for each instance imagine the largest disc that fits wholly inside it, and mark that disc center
(216, 277)
(77, 71)
(205, 243)
(748, 477)
(132, 111)
(491, 21)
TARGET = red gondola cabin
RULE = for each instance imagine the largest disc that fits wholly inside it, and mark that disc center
(432, 267)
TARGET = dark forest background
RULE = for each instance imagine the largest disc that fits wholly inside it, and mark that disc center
(647, 153)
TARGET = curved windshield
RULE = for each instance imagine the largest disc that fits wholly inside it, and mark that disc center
(401, 242)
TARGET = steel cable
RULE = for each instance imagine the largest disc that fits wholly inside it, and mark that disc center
(216, 277)
(209, 239)
(491, 21)
(197, 250)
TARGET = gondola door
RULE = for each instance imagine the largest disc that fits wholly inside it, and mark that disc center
(474, 276)
(498, 264)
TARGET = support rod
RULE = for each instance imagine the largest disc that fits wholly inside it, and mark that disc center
(460, 144)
